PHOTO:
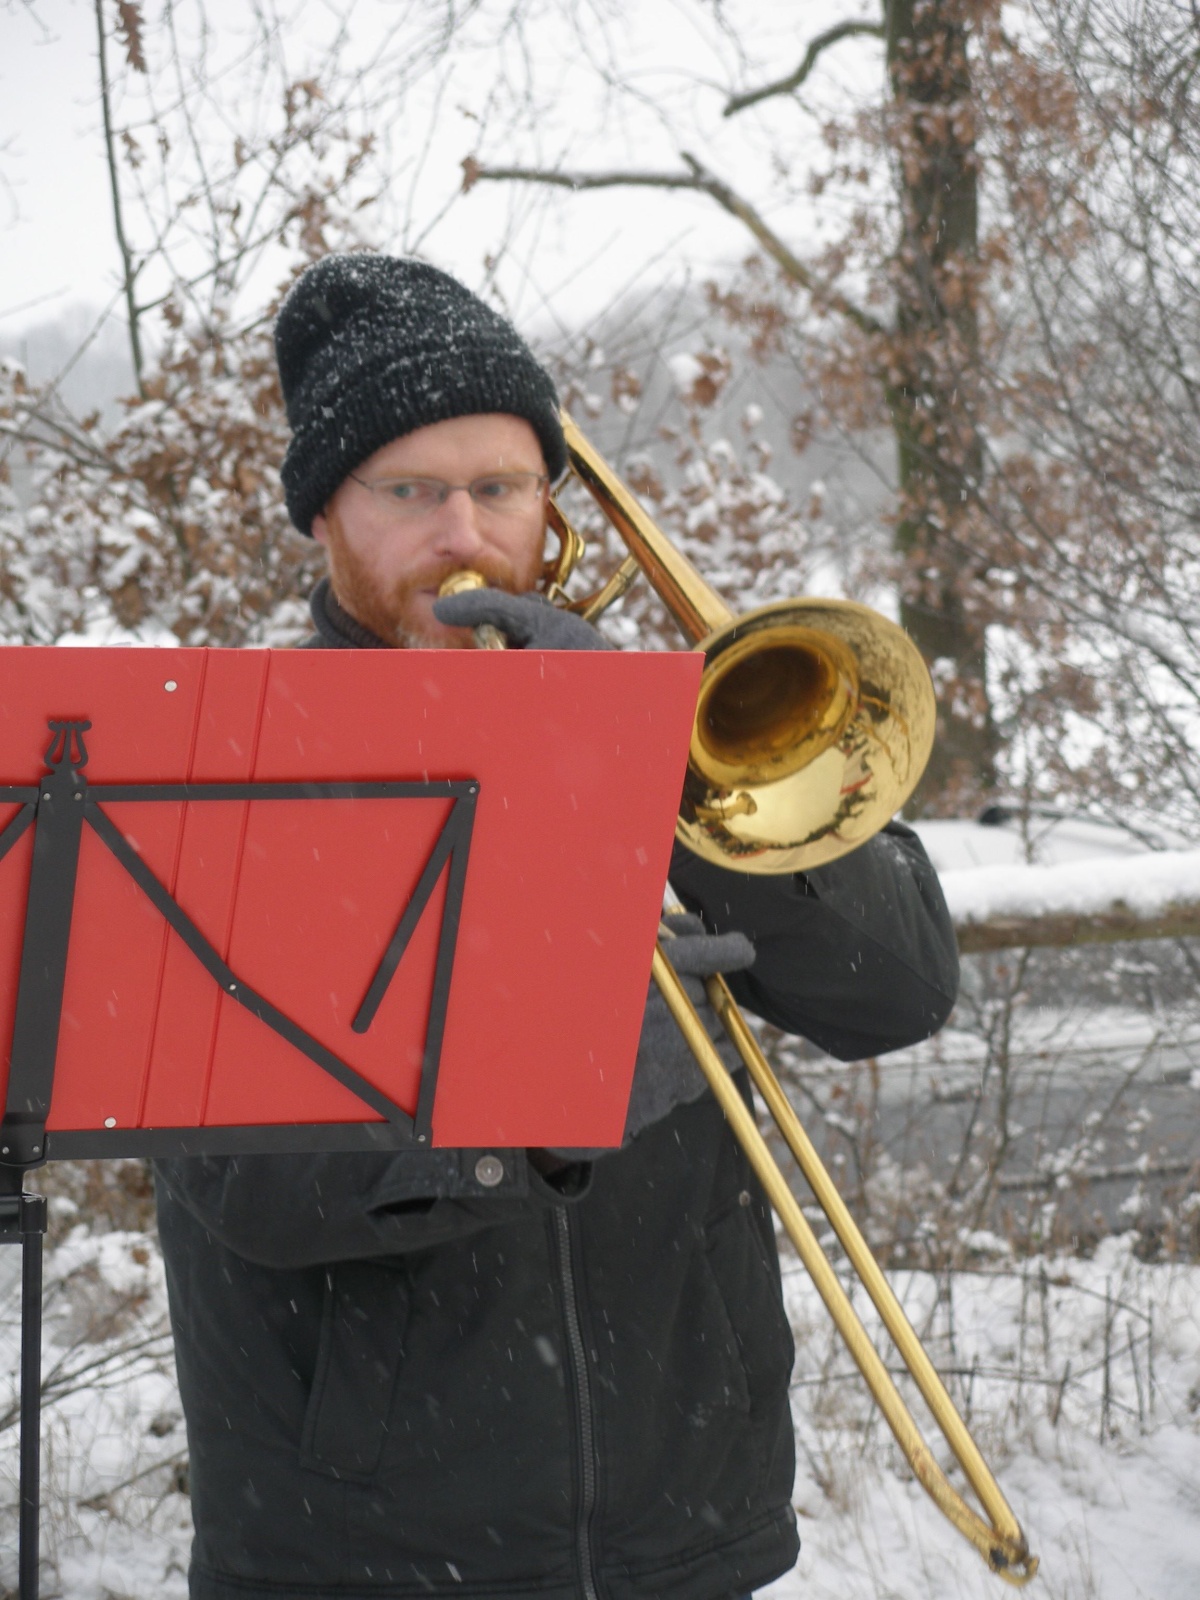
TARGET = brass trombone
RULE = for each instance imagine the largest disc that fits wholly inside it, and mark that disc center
(813, 725)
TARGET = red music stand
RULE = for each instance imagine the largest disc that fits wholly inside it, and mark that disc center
(320, 900)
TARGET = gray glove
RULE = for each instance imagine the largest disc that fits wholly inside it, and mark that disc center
(526, 620)
(666, 1074)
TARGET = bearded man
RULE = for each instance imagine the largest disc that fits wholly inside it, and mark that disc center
(537, 1375)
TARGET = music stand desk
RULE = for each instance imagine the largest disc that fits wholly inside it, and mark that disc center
(320, 900)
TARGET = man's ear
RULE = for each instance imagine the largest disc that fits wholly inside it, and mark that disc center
(320, 528)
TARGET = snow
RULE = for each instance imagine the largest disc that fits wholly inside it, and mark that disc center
(112, 1426)
(104, 630)
(1048, 840)
(685, 371)
(1064, 865)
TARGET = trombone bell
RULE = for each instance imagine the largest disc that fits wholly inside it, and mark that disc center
(815, 718)
(770, 705)
(814, 725)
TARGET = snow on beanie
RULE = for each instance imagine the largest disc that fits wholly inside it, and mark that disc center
(371, 347)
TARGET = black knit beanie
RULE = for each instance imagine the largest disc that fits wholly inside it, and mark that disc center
(373, 347)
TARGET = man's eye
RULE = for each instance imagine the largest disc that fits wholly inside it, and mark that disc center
(408, 491)
(495, 488)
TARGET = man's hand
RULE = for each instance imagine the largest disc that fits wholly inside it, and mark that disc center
(527, 621)
(666, 1074)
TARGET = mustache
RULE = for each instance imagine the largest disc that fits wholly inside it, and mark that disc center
(495, 571)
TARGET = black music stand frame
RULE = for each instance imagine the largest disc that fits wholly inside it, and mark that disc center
(57, 809)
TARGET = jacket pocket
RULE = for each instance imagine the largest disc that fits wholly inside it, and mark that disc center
(748, 1282)
(358, 1359)
(720, 1377)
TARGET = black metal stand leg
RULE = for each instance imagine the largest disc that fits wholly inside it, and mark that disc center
(31, 1393)
(23, 1217)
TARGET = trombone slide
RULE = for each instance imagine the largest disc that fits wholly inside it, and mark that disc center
(1002, 1544)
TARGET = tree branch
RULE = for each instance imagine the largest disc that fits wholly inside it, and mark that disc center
(128, 266)
(701, 181)
(793, 81)
(474, 172)
(1064, 929)
(71, 441)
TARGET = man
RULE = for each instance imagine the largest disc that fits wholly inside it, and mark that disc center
(525, 1374)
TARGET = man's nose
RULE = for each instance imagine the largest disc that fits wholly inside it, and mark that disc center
(458, 532)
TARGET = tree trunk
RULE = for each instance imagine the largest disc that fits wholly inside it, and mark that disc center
(934, 355)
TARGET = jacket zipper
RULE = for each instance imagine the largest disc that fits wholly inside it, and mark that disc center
(583, 1398)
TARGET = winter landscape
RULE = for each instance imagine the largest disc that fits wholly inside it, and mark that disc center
(892, 302)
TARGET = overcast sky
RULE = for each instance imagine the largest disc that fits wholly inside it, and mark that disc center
(55, 219)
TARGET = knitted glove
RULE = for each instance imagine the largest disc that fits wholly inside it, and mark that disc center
(526, 620)
(666, 1074)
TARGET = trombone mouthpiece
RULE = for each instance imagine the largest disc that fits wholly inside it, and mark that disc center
(461, 582)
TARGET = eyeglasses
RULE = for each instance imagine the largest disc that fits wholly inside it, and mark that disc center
(500, 494)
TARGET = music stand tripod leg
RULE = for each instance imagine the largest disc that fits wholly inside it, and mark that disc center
(23, 1217)
(59, 802)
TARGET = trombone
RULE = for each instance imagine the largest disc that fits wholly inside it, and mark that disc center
(813, 725)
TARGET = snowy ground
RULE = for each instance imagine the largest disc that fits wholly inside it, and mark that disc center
(1081, 1379)
(1107, 1491)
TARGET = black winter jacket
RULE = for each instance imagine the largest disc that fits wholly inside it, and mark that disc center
(401, 1381)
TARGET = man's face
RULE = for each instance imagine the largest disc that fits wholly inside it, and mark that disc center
(386, 568)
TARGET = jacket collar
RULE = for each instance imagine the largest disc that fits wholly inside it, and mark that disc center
(335, 626)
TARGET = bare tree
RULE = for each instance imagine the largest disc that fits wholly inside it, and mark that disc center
(1092, 374)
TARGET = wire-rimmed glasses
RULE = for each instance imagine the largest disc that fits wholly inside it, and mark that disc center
(500, 494)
